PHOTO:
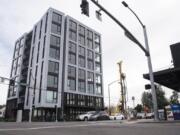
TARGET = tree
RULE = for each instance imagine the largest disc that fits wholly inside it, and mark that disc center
(161, 99)
(147, 100)
(174, 98)
(139, 108)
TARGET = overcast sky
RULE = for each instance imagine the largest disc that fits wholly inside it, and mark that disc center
(161, 18)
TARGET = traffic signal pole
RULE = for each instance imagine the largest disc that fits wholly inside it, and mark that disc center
(132, 38)
(127, 32)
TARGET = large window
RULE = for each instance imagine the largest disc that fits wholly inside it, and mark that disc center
(71, 84)
(90, 65)
(90, 39)
(51, 96)
(71, 71)
(98, 102)
(72, 30)
(98, 89)
(72, 35)
(56, 18)
(81, 74)
(81, 61)
(81, 35)
(81, 86)
(81, 51)
(81, 80)
(55, 41)
(71, 78)
(72, 47)
(81, 100)
(56, 28)
(52, 81)
(90, 77)
(98, 67)
(98, 58)
(90, 54)
(98, 79)
(53, 67)
(90, 88)
(97, 43)
(72, 58)
(90, 80)
(72, 25)
(89, 34)
(54, 52)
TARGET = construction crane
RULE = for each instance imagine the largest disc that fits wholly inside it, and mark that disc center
(124, 98)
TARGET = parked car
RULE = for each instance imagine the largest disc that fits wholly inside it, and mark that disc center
(99, 115)
(117, 116)
(149, 115)
(140, 115)
(85, 116)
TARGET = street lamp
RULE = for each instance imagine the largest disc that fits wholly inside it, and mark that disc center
(149, 63)
(109, 93)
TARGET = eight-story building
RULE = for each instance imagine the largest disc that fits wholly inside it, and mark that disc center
(60, 61)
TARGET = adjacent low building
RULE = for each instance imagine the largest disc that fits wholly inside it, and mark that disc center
(57, 68)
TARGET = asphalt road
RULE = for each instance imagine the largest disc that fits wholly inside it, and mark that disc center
(90, 128)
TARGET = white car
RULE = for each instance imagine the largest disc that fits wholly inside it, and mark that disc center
(85, 116)
(117, 116)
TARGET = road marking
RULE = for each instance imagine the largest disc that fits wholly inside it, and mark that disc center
(49, 127)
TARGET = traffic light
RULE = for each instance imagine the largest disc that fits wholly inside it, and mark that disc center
(11, 82)
(147, 86)
(85, 7)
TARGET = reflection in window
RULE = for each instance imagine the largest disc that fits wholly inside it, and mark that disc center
(53, 67)
(90, 44)
(90, 39)
(72, 35)
(98, 67)
(81, 74)
(52, 81)
(81, 51)
(57, 18)
(98, 89)
(97, 58)
(98, 79)
(90, 65)
(54, 53)
(71, 71)
(56, 28)
(55, 41)
(72, 25)
(72, 30)
(90, 88)
(71, 84)
(81, 61)
(72, 58)
(90, 77)
(90, 54)
(81, 86)
(51, 96)
(90, 84)
(72, 47)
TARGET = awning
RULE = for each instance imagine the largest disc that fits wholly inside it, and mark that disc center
(169, 78)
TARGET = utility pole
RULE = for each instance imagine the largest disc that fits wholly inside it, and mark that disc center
(122, 89)
(153, 91)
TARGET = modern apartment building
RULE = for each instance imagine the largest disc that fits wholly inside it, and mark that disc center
(57, 68)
